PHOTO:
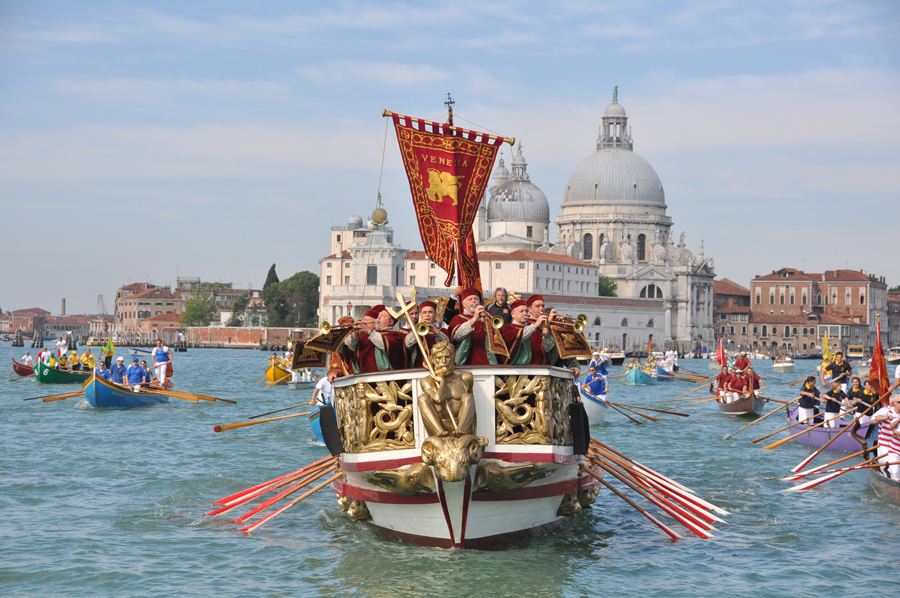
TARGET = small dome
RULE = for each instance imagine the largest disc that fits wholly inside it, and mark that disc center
(614, 110)
(518, 198)
(355, 222)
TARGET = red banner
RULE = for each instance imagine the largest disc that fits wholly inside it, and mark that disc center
(448, 170)
(878, 372)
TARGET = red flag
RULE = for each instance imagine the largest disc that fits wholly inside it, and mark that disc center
(448, 170)
(720, 355)
(878, 373)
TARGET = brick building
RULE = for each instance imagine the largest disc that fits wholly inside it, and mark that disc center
(27, 320)
(134, 304)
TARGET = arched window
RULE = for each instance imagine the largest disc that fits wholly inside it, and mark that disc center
(624, 322)
(651, 291)
(792, 298)
(765, 330)
(782, 299)
(650, 323)
(819, 299)
(597, 321)
(588, 246)
(787, 331)
(642, 248)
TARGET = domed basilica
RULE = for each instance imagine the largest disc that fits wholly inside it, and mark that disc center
(613, 216)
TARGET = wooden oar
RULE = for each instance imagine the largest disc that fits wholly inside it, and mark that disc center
(803, 474)
(244, 492)
(760, 419)
(21, 378)
(634, 505)
(859, 466)
(202, 397)
(703, 401)
(650, 417)
(285, 409)
(250, 528)
(823, 479)
(172, 395)
(649, 409)
(69, 396)
(775, 400)
(638, 422)
(792, 436)
(226, 427)
(63, 395)
(261, 379)
(788, 427)
(809, 459)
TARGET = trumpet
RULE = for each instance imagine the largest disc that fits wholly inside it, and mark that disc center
(422, 328)
(325, 328)
(496, 322)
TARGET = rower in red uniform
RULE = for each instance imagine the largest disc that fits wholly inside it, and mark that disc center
(720, 382)
(426, 313)
(742, 363)
(468, 331)
(752, 381)
(524, 340)
(376, 347)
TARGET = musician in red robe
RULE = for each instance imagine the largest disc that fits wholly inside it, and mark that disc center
(524, 340)
(376, 347)
(468, 330)
(548, 345)
(427, 313)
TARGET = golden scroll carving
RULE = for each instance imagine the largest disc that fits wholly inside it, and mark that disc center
(532, 410)
(375, 416)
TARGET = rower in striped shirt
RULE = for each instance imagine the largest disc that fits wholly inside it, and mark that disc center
(888, 419)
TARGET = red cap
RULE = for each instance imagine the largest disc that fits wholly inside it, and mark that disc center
(518, 303)
(534, 298)
(468, 293)
(430, 304)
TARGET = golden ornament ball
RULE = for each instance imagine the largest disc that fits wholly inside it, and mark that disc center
(379, 215)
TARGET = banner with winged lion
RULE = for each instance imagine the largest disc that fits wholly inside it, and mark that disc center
(448, 170)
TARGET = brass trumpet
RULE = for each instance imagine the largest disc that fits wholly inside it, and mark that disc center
(325, 328)
(496, 322)
(422, 328)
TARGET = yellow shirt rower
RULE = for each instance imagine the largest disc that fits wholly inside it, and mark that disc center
(87, 360)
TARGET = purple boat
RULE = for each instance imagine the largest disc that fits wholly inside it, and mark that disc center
(819, 436)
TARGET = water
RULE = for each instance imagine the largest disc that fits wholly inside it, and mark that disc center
(101, 502)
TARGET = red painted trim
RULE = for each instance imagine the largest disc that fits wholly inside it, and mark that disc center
(531, 457)
(467, 496)
(353, 466)
(531, 492)
(440, 485)
(387, 498)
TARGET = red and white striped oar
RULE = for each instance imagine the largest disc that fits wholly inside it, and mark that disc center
(803, 474)
(825, 478)
(809, 459)
(227, 499)
(306, 481)
(250, 528)
(257, 493)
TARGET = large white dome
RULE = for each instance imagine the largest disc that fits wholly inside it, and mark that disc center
(614, 176)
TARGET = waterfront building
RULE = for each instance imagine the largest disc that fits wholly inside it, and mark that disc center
(27, 320)
(142, 300)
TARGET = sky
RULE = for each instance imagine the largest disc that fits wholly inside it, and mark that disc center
(146, 141)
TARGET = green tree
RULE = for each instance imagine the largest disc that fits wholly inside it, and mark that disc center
(271, 278)
(894, 290)
(293, 301)
(238, 307)
(607, 287)
(198, 311)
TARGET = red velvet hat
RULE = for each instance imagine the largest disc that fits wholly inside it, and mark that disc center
(430, 304)
(468, 293)
(518, 303)
(373, 313)
(534, 298)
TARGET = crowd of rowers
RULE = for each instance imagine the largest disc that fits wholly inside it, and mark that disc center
(376, 343)
(737, 381)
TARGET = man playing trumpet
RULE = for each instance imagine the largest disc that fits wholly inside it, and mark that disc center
(524, 336)
(427, 329)
(374, 346)
(548, 345)
(469, 332)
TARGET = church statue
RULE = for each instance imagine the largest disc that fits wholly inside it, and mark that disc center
(659, 248)
(446, 403)
(626, 252)
(605, 251)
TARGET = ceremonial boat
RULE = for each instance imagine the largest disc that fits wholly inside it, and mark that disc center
(751, 404)
(820, 436)
(479, 457)
(595, 407)
(21, 369)
(884, 486)
(45, 374)
(102, 393)
(783, 366)
(638, 375)
(276, 374)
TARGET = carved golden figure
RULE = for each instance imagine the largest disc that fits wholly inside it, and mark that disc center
(355, 509)
(532, 410)
(446, 403)
(491, 476)
(418, 477)
(451, 456)
(389, 427)
(569, 507)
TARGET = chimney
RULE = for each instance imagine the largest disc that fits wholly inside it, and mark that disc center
(62, 307)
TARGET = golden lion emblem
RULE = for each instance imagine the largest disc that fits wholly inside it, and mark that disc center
(442, 184)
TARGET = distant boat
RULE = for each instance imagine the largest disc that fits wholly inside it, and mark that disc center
(636, 375)
(784, 365)
(276, 374)
(664, 376)
(819, 436)
(594, 407)
(21, 369)
(893, 356)
(752, 404)
(102, 393)
(617, 358)
(45, 374)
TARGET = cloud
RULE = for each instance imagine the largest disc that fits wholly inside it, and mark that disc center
(137, 90)
(388, 73)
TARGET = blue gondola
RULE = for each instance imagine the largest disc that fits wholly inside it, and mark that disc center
(101, 393)
(316, 425)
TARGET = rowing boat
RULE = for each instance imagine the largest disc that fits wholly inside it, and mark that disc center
(884, 486)
(22, 369)
(664, 375)
(316, 425)
(744, 406)
(45, 374)
(102, 393)
(820, 436)
(637, 376)
(595, 408)
(276, 374)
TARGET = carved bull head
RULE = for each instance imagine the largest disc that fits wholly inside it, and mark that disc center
(451, 456)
